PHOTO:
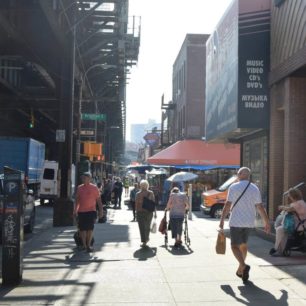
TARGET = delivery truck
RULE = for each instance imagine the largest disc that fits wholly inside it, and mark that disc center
(26, 155)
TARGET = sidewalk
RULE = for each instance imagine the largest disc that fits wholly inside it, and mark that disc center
(119, 272)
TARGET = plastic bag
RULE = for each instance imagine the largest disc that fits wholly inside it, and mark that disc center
(153, 228)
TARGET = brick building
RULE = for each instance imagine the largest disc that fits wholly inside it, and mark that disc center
(189, 88)
(288, 99)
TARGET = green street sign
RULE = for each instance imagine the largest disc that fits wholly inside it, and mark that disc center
(97, 117)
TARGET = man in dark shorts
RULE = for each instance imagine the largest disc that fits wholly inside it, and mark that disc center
(242, 218)
(87, 197)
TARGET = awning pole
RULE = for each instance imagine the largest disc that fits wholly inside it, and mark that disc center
(190, 201)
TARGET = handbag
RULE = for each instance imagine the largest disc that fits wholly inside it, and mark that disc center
(221, 243)
(163, 225)
(148, 204)
(289, 224)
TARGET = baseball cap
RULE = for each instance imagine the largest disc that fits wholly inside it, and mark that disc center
(86, 174)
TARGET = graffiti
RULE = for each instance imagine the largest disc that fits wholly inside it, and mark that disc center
(9, 230)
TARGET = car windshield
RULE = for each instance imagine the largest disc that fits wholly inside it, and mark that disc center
(227, 183)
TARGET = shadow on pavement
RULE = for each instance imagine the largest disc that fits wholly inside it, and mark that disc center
(145, 253)
(256, 296)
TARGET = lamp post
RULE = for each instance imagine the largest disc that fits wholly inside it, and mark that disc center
(110, 145)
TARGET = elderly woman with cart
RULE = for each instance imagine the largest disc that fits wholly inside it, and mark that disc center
(177, 205)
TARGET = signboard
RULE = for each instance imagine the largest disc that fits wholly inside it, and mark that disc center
(152, 139)
(95, 117)
(237, 64)
(12, 227)
(87, 132)
(60, 135)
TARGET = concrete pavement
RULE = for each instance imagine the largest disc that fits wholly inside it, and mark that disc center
(119, 272)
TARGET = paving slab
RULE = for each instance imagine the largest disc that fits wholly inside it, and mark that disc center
(119, 272)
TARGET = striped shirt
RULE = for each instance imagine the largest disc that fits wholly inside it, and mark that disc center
(244, 212)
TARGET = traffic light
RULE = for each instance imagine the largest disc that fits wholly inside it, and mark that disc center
(32, 120)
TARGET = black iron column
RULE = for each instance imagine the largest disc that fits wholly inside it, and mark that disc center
(63, 208)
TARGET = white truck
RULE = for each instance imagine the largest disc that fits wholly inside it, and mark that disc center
(49, 183)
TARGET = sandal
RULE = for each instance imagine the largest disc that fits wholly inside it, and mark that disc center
(239, 275)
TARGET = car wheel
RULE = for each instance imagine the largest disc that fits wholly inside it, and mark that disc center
(216, 211)
(30, 226)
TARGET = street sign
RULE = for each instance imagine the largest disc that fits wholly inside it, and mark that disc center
(87, 132)
(60, 135)
(95, 117)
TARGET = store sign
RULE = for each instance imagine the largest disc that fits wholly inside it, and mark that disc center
(237, 67)
(152, 139)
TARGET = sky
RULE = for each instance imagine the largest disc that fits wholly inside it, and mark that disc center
(164, 25)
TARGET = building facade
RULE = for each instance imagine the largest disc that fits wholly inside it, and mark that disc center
(237, 88)
(188, 87)
(288, 99)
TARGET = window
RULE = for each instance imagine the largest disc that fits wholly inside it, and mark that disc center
(48, 174)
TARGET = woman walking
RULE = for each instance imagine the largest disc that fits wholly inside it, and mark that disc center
(144, 217)
(177, 204)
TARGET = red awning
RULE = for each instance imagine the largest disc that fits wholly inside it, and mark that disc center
(197, 152)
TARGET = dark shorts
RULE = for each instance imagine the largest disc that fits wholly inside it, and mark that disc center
(176, 225)
(86, 220)
(239, 235)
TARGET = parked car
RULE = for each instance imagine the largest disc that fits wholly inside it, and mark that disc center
(214, 199)
(28, 207)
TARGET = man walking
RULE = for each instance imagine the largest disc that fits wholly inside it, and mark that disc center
(242, 201)
(87, 197)
(117, 190)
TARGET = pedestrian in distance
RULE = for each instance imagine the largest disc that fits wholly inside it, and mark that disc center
(242, 201)
(87, 197)
(298, 207)
(177, 204)
(107, 193)
(133, 199)
(117, 190)
(144, 217)
(126, 186)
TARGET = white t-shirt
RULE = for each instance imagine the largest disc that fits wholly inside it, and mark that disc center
(244, 212)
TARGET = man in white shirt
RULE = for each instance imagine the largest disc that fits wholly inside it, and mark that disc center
(242, 217)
